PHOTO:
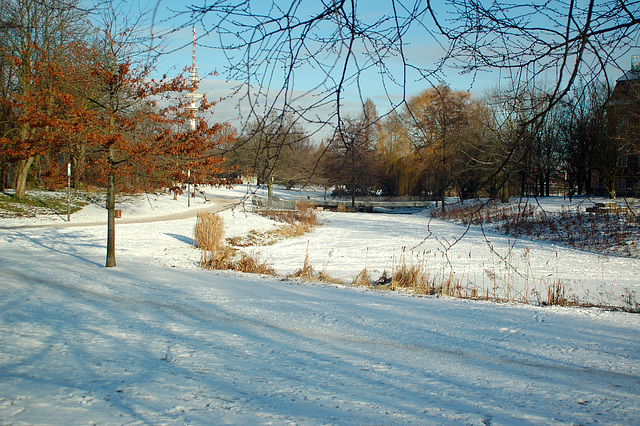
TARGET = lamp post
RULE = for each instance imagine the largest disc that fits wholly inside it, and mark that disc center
(188, 188)
(69, 192)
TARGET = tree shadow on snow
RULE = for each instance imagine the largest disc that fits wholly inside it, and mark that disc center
(182, 238)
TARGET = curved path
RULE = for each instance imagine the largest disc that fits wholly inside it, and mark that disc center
(217, 205)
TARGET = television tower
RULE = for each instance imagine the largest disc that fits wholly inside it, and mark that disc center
(193, 79)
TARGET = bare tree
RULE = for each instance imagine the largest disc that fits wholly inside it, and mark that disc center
(274, 48)
(270, 44)
(273, 149)
(351, 162)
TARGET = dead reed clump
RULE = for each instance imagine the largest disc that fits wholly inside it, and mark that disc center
(629, 302)
(363, 279)
(208, 234)
(556, 294)
(215, 254)
(209, 231)
(251, 265)
(452, 287)
(306, 272)
(410, 276)
(324, 277)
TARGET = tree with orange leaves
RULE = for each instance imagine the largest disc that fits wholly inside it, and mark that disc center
(34, 36)
(140, 126)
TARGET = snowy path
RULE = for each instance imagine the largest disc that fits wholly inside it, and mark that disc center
(117, 346)
(147, 343)
(214, 205)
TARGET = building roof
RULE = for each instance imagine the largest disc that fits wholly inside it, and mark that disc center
(633, 74)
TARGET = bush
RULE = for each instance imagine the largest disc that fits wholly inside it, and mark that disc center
(208, 235)
(607, 233)
(363, 279)
(209, 231)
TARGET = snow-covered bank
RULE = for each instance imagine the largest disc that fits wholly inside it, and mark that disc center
(156, 340)
(147, 344)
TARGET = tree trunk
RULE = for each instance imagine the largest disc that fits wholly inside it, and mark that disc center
(111, 213)
(505, 192)
(23, 168)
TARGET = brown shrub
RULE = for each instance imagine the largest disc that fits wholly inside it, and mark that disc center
(306, 272)
(209, 231)
(251, 265)
(363, 279)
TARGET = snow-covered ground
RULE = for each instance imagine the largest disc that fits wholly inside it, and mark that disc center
(157, 340)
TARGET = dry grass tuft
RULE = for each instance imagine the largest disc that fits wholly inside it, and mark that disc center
(629, 302)
(209, 233)
(295, 224)
(250, 265)
(306, 273)
(326, 278)
(451, 287)
(363, 279)
(556, 294)
(411, 276)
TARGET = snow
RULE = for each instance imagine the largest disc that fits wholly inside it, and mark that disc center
(156, 340)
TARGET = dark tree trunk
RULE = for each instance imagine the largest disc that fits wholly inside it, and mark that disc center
(111, 214)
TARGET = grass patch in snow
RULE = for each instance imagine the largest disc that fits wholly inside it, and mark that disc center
(40, 203)
(291, 224)
(217, 254)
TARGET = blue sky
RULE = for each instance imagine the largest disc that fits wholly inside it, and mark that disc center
(420, 48)
(419, 51)
(172, 28)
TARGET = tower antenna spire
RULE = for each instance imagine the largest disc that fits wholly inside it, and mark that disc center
(193, 79)
(194, 47)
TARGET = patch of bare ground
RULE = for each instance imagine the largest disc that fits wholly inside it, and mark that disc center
(291, 224)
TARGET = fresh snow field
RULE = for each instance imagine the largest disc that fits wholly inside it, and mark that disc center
(156, 340)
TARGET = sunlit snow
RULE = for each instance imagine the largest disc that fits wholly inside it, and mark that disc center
(157, 340)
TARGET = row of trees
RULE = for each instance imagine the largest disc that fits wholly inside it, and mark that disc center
(345, 46)
(446, 142)
(79, 90)
(76, 86)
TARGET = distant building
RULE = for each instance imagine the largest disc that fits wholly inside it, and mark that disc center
(623, 111)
